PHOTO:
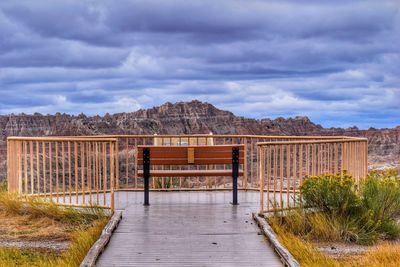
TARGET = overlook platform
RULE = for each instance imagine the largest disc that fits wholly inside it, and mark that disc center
(188, 229)
(190, 221)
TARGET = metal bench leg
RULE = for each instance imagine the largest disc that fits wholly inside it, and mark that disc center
(235, 174)
(146, 175)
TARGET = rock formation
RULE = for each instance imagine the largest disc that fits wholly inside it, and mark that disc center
(189, 118)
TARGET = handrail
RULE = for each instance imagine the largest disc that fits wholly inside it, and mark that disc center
(312, 142)
(219, 135)
(61, 138)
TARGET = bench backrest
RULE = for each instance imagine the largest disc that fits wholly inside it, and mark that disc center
(191, 155)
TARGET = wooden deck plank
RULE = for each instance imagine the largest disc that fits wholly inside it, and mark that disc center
(188, 229)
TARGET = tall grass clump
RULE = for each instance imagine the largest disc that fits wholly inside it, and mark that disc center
(303, 251)
(12, 204)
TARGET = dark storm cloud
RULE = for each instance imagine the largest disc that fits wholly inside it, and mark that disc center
(335, 61)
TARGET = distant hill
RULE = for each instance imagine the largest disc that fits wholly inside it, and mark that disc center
(189, 118)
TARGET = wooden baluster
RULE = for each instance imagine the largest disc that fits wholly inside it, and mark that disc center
(31, 163)
(38, 167)
(69, 172)
(63, 169)
(288, 177)
(76, 171)
(44, 169)
(25, 149)
(57, 184)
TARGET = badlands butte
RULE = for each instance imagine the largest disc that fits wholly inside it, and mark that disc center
(190, 118)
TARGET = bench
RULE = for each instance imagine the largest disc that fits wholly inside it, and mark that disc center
(190, 155)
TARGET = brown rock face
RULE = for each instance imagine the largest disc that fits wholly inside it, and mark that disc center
(189, 118)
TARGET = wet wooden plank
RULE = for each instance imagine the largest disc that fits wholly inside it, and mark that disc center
(188, 229)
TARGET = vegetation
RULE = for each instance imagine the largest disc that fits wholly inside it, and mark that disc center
(334, 211)
(303, 251)
(27, 219)
(383, 255)
(381, 199)
(341, 213)
(12, 204)
(82, 240)
(3, 187)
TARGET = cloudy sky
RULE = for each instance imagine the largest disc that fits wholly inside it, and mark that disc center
(337, 62)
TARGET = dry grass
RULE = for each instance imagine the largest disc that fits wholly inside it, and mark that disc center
(303, 251)
(24, 258)
(81, 243)
(13, 205)
(321, 226)
(32, 219)
(382, 255)
(18, 227)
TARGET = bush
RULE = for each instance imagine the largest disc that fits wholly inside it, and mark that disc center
(339, 213)
(332, 194)
(381, 198)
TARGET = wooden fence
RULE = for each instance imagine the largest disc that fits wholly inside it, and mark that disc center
(284, 165)
(87, 170)
(127, 178)
(66, 170)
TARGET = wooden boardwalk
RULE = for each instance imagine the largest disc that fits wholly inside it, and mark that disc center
(187, 229)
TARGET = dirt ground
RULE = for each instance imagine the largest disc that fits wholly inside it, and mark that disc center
(339, 250)
(42, 234)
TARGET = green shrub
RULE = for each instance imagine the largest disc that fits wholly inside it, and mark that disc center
(339, 213)
(332, 194)
(381, 198)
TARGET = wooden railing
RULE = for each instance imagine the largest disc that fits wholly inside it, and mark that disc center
(284, 165)
(66, 170)
(87, 170)
(127, 178)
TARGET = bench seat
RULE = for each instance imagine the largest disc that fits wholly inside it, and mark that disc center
(188, 173)
(231, 155)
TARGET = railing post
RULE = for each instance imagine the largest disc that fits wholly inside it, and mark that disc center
(260, 163)
(235, 174)
(146, 175)
(112, 177)
(245, 184)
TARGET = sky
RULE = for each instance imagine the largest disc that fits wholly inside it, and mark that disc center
(337, 62)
